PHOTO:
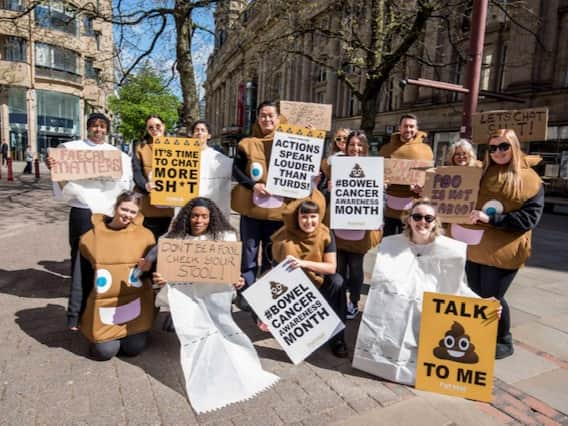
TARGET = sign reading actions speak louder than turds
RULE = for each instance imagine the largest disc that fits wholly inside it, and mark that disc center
(76, 164)
(199, 261)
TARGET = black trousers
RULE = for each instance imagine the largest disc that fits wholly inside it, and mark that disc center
(255, 232)
(490, 281)
(392, 226)
(82, 274)
(128, 346)
(333, 292)
(350, 267)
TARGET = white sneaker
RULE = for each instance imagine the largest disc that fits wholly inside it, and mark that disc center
(352, 311)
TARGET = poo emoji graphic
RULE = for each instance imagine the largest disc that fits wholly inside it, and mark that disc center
(456, 346)
(357, 172)
(277, 289)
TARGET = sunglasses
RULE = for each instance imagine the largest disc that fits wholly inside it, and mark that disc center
(503, 147)
(340, 138)
(157, 127)
(417, 217)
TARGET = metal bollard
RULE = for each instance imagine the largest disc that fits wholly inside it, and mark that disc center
(10, 171)
(36, 168)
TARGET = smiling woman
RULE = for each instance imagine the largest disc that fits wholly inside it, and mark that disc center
(118, 311)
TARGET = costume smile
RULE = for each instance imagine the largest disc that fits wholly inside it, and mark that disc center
(120, 314)
(398, 203)
(465, 235)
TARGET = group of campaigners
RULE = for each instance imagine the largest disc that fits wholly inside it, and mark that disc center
(113, 229)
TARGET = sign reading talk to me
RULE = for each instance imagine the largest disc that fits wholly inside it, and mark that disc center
(357, 192)
(295, 159)
(456, 353)
(306, 114)
(295, 311)
(453, 191)
(197, 261)
(175, 170)
(75, 164)
(529, 124)
(406, 172)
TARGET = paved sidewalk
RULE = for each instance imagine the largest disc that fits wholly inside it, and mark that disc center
(46, 377)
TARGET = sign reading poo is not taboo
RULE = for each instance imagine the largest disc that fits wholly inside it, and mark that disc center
(456, 350)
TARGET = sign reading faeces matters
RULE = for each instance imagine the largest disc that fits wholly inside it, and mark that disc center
(456, 350)
(529, 124)
(199, 261)
(453, 191)
(175, 170)
(76, 164)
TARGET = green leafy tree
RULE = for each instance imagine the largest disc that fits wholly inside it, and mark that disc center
(145, 93)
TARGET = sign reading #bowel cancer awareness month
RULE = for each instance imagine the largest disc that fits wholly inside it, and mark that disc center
(295, 159)
(175, 170)
(297, 314)
(356, 192)
(456, 350)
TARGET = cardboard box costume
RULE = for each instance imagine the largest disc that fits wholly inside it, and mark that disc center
(119, 304)
(487, 244)
(400, 197)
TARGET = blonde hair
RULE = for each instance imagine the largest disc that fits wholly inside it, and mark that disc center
(466, 146)
(512, 178)
(334, 147)
(436, 231)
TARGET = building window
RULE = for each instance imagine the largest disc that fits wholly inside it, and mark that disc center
(11, 4)
(322, 74)
(90, 70)
(88, 29)
(57, 16)
(501, 84)
(13, 48)
(485, 80)
(18, 121)
(57, 118)
(57, 62)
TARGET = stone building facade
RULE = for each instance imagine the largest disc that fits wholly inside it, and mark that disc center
(529, 61)
(56, 66)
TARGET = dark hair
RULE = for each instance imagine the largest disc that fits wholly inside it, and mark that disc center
(205, 123)
(98, 116)
(308, 207)
(147, 138)
(272, 104)
(128, 196)
(409, 116)
(181, 225)
(359, 134)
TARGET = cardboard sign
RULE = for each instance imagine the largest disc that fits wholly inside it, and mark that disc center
(175, 170)
(297, 314)
(529, 124)
(305, 114)
(76, 164)
(356, 192)
(453, 191)
(456, 350)
(406, 172)
(295, 159)
(199, 261)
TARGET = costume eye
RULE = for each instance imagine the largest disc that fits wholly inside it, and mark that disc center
(133, 280)
(256, 171)
(449, 342)
(103, 280)
(492, 207)
(463, 343)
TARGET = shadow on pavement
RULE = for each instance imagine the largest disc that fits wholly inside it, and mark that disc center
(549, 242)
(47, 325)
(37, 283)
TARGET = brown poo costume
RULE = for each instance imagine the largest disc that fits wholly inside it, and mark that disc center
(119, 305)
(291, 240)
(399, 196)
(488, 245)
(257, 149)
(144, 154)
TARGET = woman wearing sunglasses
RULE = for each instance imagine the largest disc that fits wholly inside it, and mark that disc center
(337, 148)
(408, 264)
(509, 205)
(156, 219)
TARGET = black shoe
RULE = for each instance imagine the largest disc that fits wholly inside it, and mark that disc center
(243, 304)
(168, 324)
(339, 348)
(503, 350)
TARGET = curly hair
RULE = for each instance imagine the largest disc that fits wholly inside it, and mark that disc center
(181, 225)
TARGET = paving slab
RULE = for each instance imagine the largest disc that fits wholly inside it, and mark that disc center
(532, 365)
(551, 387)
(544, 338)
